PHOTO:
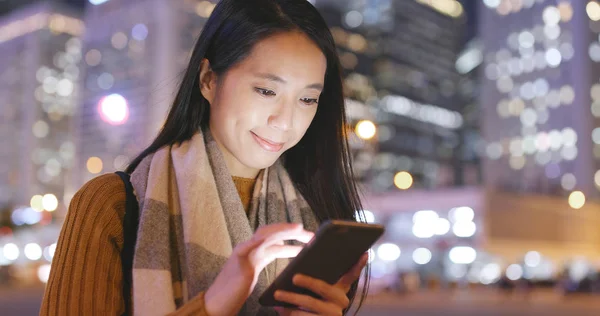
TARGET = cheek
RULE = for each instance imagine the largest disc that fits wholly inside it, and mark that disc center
(230, 110)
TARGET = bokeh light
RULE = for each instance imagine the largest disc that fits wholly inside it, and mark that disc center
(593, 10)
(43, 273)
(514, 272)
(533, 259)
(94, 165)
(388, 252)
(114, 109)
(365, 129)
(403, 180)
(11, 251)
(576, 199)
(421, 256)
(32, 251)
(36, 203)
(50, 202)
(462, 255)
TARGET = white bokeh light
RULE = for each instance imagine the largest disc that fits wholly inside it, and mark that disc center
(353, 19)
(490, 273)
(492, 4)
(462, 255)
(553, 57)
(114, 109)
(369, 217)
(421, 256)
(11, 252)
(423, 230)
(569, 137)
(462, 214)
(514, 272)
(388, 252)
(568, 181)
(33, 251)
(442, 226)
(533, 259)
(49, 252)
(464, 229)
(551, 15)
(424, 223)
(43, 273)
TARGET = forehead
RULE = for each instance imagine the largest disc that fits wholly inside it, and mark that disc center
(292, 56)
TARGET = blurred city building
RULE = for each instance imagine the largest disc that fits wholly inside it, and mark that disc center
(399, 59)
(413, 66)
(538, 96)
(540, 99)
(132, 67)
(39, 73)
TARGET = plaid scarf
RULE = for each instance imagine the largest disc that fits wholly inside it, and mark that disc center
(191, 218)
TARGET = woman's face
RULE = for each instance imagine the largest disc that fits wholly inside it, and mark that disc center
(263, 106)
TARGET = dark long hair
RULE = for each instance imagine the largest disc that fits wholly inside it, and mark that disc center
(319, 164)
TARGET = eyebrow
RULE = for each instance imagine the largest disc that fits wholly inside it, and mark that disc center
(272, 77)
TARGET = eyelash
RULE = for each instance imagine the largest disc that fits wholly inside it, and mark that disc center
(270, 93)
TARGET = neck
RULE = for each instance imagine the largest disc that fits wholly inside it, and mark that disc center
(245, 173)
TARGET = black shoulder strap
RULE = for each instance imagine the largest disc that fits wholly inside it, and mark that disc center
(130, 227)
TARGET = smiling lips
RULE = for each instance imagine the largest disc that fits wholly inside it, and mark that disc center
(267, 144)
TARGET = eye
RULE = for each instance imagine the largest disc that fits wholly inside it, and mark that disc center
(309, 101)
(265, 92)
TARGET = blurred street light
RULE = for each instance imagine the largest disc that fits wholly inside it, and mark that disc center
(576, 199)
(464, 229)
(36, 203)
(44, 273)
(11, 252)
(593, 10)
(50, 202)
(422, 256)
(462, 255)
(514, 272)
(97, 2)
(365, 129)
(94, 165)
(442, 226)
(533, 259)
(33, 251)
(403, 180)
(114, 109)
(388, 252)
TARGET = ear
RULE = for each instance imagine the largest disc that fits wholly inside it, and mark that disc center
(208, 81)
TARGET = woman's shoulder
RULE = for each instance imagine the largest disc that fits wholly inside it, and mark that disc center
(103, 189)
(100, 201)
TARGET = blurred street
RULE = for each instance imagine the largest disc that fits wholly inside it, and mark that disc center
(25, 302)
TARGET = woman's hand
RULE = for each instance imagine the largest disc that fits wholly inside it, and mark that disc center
(239, 275)
(334, 301)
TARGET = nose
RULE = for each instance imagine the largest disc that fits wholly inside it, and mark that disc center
(283, 117)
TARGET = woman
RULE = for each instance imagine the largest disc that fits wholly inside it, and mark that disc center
(251, 159)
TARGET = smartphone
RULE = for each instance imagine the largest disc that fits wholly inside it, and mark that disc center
(335, 249)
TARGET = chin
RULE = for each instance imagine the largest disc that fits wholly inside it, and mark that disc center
(261, 161)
